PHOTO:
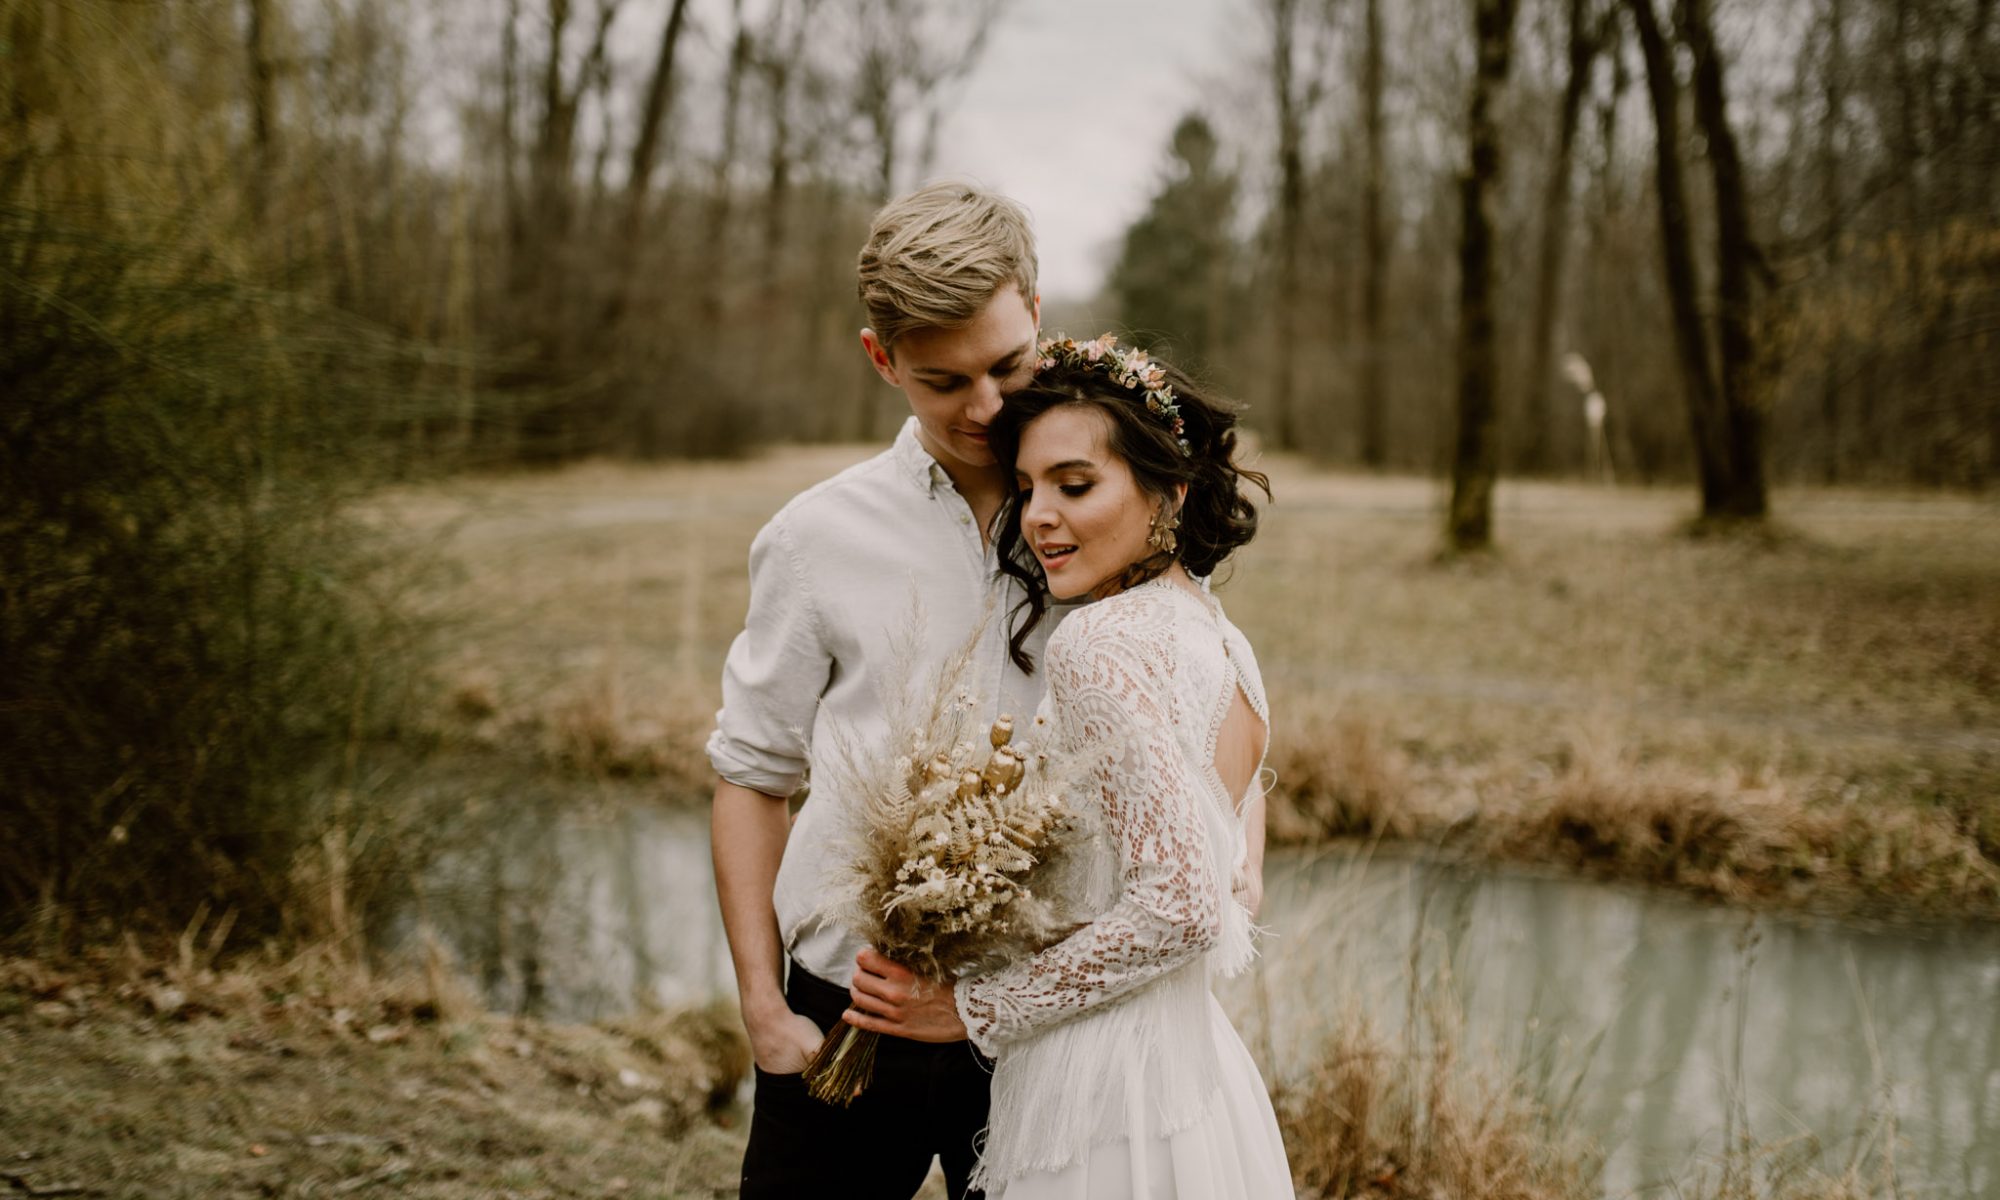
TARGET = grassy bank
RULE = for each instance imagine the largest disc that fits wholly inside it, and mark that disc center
(126, 1079)
(1386, 1118)
(1804, 719)
(132, 1079)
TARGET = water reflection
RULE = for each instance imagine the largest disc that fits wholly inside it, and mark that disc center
(1802, 1026)
(582, 916)
(1663, 1013)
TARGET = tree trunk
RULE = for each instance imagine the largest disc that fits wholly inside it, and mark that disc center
(1537, 418)
(1475, 455)
(1607, 113)
(721, 196)
(652, 119)
(1909, 137)
(263, 105)
(1291, 220)
(1741, 495)
(1705, 419)
(875, 99)
(1834, 89)
(510, 175)
(1373, 382)
(779, 62)
(607, 123)
(555, 143)
(554, 137)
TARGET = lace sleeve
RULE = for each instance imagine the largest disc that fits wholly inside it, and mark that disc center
(1111, 695)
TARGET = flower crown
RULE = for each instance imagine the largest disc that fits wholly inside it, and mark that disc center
(1129, 369)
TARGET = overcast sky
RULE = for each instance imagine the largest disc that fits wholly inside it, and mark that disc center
(1069, 113)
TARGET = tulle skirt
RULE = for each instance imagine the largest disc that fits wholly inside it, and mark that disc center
(1234, 1152)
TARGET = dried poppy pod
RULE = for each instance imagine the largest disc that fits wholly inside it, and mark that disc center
(1004, 770)
(1003, 731)
(970, 785)
(938, 768)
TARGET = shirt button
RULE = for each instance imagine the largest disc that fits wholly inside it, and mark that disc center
(964, 520)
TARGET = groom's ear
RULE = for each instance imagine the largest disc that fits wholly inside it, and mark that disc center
(878, 357)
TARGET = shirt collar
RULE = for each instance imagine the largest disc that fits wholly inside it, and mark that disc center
(916, 462)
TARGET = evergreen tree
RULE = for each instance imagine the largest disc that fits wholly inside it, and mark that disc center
(1175, 277)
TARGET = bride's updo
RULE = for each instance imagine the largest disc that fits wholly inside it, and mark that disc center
(1167, 429)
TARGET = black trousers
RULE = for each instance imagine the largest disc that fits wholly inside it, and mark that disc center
(926, 1100)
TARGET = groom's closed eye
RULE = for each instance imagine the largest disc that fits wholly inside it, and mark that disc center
(951, 383)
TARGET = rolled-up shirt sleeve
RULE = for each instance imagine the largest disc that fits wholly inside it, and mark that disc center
(776, 670)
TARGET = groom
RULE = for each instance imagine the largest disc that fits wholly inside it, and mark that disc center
(947, 277)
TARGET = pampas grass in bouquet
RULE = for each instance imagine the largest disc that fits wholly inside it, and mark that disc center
(959, 836)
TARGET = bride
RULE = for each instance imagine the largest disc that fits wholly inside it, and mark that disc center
(1116, 1073)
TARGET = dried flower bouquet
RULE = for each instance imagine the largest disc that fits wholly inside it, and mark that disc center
(956, 845)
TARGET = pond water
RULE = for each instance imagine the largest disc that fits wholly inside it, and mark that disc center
(1665, 1016)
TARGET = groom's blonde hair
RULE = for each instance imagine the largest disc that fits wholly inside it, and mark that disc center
(935, 257)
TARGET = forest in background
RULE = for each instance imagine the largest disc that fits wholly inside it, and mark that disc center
(259, 258)
(1836, 176)
(627, 226)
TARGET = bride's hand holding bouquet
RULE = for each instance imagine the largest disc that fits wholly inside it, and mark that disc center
(891, 999)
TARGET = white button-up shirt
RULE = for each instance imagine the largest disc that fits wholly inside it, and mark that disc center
(834, 577)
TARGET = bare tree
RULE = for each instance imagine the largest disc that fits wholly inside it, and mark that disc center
(713, 264)
(1373, 381)
(554, 156)
(1739, 267)
(1586, 34)
(1294, 101)
(514, 217)
(1726, 426)
(652, 120)
(911, 51)
(1475, 454)
(263, 76)
(1677, 239)
(779, 61)
(1833, 80)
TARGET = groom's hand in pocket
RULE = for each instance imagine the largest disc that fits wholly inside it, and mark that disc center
(785, 1043)
(889, 998)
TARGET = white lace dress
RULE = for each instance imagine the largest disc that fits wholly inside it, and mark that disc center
(1116, 1073)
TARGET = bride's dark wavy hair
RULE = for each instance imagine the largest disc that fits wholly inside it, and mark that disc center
(1216, 517)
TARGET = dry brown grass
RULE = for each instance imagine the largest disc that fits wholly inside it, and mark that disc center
(1787, 1170)
(1747, 836)
(1802, 719)
(137, 1077)
(1595, 804)
(135, 1074)
(1416, 1117)
(1376, 1117)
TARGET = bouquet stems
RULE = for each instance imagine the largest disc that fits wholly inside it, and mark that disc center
(844, 1065)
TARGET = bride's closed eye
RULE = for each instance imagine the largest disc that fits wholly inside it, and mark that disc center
(1072, 490)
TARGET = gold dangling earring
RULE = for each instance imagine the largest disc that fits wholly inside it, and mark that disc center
(1161, 537)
